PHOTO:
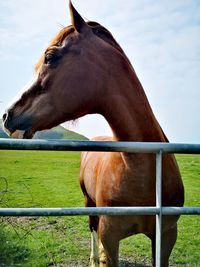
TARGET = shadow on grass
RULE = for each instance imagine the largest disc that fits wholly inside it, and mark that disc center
(123, 263)
(12, 249)
(129, 263)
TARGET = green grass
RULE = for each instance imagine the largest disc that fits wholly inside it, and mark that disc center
(51, 179)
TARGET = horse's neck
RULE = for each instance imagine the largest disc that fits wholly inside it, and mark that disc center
(129, 114)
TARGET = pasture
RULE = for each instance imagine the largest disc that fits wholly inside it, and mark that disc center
(51, 179)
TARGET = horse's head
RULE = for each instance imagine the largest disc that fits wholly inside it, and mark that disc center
(69, 79)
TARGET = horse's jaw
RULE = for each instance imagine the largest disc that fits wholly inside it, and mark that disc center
(21, 134)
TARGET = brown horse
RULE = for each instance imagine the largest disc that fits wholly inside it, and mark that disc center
(84, 71)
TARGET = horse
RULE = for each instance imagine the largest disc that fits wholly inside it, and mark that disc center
(85, 71)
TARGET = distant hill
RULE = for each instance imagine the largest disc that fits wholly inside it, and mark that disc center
(58, 132)
(2, 133)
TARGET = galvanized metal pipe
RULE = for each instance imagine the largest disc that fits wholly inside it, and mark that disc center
(111, 211)
(66, 145)
(158, 247)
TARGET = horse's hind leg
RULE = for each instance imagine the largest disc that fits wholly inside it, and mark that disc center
(168, 241)
(97, 256)
(94, 256)
(93, 224)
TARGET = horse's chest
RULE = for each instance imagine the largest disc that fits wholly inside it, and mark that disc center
(121, 186)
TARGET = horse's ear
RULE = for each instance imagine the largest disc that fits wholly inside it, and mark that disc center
(77, 21)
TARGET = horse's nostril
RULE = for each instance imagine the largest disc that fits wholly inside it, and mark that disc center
(5, 115)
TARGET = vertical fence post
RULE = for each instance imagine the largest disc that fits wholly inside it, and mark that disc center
(158, 205)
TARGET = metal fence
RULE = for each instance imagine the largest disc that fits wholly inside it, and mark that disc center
(134, 147)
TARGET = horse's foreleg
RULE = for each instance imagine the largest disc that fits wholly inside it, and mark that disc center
(111, 246)
(102, 255)
(94, 256)
(112, 253)
(168, 241)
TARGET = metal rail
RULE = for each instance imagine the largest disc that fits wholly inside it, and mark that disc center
(134, 147)
(111, 211)
(65, 145)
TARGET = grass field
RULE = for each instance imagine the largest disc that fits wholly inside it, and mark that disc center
(50, 179)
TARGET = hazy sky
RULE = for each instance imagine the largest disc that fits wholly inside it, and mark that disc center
(161, 38)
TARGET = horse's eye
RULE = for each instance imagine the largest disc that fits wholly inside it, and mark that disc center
(50, 58)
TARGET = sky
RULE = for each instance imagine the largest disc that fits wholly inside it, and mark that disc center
(161, 39)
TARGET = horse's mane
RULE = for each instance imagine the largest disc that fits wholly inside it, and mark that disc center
(104, 34)
(56, 41)
(97, 29)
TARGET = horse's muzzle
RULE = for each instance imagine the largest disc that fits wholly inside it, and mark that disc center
(7, 125)
(17, 127)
